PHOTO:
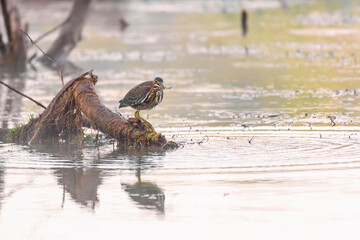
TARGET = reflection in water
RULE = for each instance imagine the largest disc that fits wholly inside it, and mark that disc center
(70, 150)
(147, 194)
(1, 182)
(11, 109)
(81, 183)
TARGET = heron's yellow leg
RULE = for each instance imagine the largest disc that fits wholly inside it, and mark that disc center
(137, 116)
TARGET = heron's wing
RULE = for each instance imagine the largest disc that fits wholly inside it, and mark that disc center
(138, 94)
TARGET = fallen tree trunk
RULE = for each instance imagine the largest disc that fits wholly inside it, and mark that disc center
(77, 102)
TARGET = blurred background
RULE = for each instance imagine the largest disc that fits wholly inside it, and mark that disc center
(264, 103)
(297, 64)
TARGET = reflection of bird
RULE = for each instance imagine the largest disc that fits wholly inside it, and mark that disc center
(147, 194)
(144, 96)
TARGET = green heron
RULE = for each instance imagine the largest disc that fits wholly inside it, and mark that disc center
(144, 96)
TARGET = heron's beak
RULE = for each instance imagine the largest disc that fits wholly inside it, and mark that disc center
(165, 87)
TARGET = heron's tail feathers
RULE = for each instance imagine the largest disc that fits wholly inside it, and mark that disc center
(122, 104)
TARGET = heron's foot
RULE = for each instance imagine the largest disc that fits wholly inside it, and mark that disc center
(137, 116)
(149, 125)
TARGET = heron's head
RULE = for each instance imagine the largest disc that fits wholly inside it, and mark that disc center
(160, 82)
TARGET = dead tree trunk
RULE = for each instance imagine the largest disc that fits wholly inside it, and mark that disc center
(64, 117)
(6, 18)
(70, 33)
(15, 56)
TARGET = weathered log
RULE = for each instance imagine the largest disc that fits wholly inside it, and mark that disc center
(63, 120)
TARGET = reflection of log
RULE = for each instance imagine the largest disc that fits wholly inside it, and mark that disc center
(81, 183)
(7, 108)
(10, 110)
(1, 181)
(63, 119)
(70, 33)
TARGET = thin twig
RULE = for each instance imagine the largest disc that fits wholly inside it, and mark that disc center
(332, 118)
(13, 89)
(50, 59)
(30, 62)
(32, 58)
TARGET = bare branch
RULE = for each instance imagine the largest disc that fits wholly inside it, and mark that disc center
(31, 99)
(50, 59)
